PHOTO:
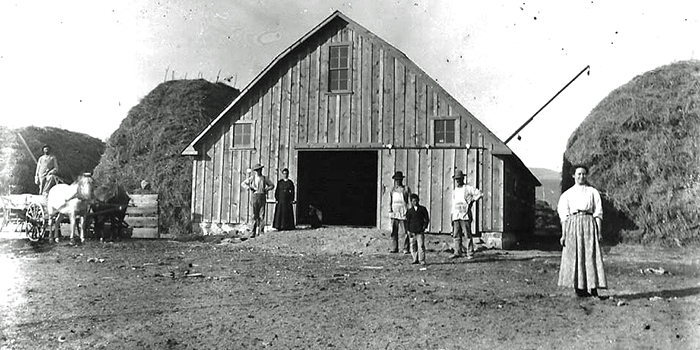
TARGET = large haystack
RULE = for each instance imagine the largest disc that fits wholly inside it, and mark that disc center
(643, 145)
(147, 145)
(76, 153)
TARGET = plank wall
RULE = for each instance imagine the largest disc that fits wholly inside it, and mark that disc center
(393, 102)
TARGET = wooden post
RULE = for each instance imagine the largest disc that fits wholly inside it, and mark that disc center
(28, 150)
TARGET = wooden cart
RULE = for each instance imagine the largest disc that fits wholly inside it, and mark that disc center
(27, 213)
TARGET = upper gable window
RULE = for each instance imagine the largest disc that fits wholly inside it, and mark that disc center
(242, 135)
(339, 68)
(445, 131)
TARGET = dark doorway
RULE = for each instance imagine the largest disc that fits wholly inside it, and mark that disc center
(342, 184)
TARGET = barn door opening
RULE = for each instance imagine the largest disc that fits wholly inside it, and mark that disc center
(342, 184)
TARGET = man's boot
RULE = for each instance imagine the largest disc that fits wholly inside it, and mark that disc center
(470, 248)
(457, 250)
(407, 244)
(255, 230)
(394, 244)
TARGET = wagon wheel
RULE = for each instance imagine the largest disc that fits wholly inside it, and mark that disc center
(35, 222)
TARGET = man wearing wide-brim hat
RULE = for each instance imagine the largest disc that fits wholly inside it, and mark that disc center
(46, 171)
(259, 185)
(463, 197)
(398, 206)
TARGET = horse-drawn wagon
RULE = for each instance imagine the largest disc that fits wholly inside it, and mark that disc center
(40, 216)
(27, 212)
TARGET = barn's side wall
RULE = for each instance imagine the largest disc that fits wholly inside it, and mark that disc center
(392, 103)
(429, 174)
(519, 208)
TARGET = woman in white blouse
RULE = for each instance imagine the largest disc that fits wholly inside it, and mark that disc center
(581, 212)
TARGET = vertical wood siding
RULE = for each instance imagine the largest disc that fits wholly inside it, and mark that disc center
(304, 87)
(392, 103)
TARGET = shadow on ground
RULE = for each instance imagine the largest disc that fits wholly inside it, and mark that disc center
(548, 242)
(665, 294)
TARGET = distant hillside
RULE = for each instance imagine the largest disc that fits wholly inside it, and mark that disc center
(550, 189)
(147, 145)
(642, 144)
(76, 153)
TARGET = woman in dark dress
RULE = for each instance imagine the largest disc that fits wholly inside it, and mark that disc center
(284, 195)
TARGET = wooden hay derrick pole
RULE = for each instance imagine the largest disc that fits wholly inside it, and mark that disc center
(546, 104)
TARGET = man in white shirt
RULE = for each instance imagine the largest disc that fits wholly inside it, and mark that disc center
(259, 185)
(398, 206)
(463, 197)
(46, 169)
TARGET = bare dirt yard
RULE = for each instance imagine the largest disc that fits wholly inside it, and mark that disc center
(336, 288)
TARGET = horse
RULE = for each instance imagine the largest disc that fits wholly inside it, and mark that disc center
(70, 200)
(110, 204)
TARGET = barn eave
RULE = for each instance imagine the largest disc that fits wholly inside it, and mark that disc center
(190, 150)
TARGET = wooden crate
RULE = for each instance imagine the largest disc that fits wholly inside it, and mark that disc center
(142, 215)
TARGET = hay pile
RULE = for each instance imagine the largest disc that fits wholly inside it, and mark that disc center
(76, 153)
(642, 143)
(147, 145)
(546, 219)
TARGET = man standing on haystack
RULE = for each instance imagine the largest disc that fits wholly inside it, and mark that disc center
(463, 197)
(259, 185)
(46, 169)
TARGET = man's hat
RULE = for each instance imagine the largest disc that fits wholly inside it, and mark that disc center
(257, 166)
(458, 175)
(397, 175)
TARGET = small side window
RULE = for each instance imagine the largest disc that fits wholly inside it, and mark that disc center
(445, 132)
(242, 135)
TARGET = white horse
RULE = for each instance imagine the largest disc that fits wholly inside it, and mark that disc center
(72, 201)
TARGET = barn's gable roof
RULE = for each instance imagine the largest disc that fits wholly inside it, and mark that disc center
(499, 148)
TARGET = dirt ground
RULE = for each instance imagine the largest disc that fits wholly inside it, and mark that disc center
(336, 288)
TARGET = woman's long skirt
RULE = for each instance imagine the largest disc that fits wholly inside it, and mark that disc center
(284, 216)
(581, 258)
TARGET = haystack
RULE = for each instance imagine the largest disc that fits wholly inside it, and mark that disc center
(76, 153)
(642, 143)
(146, 147)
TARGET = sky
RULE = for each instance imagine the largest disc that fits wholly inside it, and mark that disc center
(81, 65)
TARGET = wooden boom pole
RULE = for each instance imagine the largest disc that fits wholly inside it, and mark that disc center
(28, 149)
(545, 105)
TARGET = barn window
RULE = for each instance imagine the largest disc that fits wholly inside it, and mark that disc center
(444, 131)
(243, 135)
(339, 68)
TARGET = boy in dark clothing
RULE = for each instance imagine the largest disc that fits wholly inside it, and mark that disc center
(417, 220)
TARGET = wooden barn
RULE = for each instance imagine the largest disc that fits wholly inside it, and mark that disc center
(343, 110)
